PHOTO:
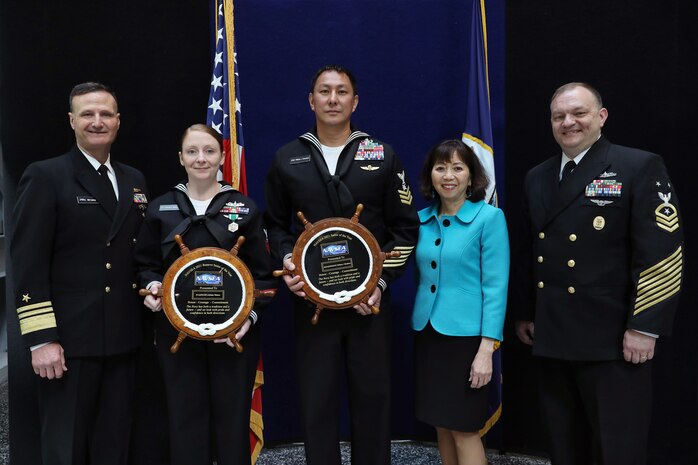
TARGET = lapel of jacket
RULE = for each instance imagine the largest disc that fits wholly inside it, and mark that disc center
(544, 191)
(125, 202)
(88, 178)
(593, 163)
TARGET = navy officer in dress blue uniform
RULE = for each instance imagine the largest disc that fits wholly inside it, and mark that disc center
(325, 173)
(600, 283)
(76, 221)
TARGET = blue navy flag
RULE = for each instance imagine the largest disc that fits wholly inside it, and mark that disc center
(478, 122)
(224, 96)
(478, 136)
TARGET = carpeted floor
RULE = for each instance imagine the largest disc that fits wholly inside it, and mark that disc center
(4, 421)
(403, 453)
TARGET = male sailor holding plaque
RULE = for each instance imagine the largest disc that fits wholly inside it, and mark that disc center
(325, 173)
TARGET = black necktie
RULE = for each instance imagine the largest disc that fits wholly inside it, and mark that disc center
(219, 232)
(567, 170)
(110, 200)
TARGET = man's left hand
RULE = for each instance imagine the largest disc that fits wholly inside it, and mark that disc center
(373, 301)
(637, 347)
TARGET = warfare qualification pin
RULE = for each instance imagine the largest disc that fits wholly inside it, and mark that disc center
(599, 223)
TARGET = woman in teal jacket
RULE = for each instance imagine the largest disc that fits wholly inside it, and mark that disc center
(463, 264)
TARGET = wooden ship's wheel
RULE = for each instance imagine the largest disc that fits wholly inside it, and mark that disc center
(208, 293)
(339, 262)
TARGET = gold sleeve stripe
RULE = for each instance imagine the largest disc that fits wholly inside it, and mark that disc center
(38, 311)
(405, 252)
(660, 275)
(659, 282)
(405, 196)
(26, 308)
(37, 323)
(658, 299)
(677, 253)
(36, 317)
(669, 284)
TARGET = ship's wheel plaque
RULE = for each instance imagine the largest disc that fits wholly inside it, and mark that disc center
(339, 260)
(208, 293)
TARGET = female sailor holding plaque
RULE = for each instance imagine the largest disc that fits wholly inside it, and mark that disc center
(208, 386)
(463, 263)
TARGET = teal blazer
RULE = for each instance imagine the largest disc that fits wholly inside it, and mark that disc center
(463, 266)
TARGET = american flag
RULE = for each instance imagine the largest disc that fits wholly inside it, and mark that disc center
(224, 95)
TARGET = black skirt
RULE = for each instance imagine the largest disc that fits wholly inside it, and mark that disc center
(443, 395)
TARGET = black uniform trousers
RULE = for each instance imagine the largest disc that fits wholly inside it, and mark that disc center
(86, 415)
(596, 412)
(209, 396)
(362, 344)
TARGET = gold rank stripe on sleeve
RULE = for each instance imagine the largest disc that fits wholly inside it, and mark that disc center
(405, 196)
(659, 282)
(405, 252)
(36, 317)
(669, 219)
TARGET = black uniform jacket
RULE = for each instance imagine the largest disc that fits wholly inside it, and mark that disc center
(605, 252)
(229, 215)
(73, 268)
(368, 172)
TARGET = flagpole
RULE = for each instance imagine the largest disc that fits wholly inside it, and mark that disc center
(483, 20)
(232, 108)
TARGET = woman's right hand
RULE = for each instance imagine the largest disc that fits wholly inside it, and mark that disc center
(481, 368)
(294, 283)
(152, 301)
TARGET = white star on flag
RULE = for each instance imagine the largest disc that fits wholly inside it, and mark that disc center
(215, 106)
(216, 83)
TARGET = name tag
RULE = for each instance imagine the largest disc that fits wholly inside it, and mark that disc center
(86, 200)
(298, 160)
(169, 208)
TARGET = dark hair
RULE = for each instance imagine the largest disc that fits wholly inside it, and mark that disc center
(573, 85)
(337, 69)
(203, 128)
(442, 153)
(88, 88)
